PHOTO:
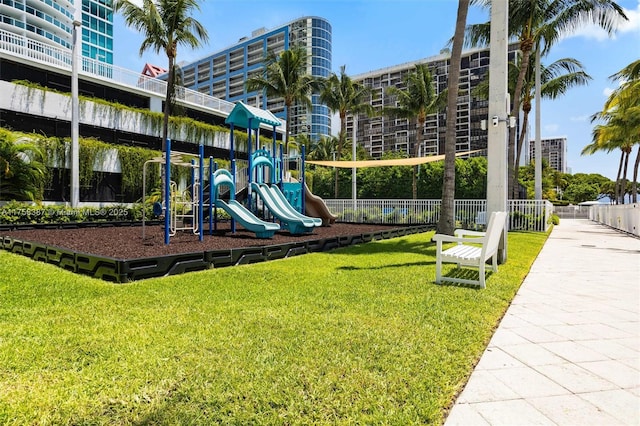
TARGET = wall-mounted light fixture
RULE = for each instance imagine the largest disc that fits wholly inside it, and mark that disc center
(511, 122)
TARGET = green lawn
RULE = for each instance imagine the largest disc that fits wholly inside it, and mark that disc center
(360, 335)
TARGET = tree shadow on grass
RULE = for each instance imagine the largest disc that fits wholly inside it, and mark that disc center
(395, 245)
(424, 248)
(392, 265)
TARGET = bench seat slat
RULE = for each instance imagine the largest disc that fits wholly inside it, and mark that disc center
(464, 252)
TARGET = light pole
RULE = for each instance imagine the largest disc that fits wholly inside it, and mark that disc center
(353, 158)
(498, 107)
(538, 141)
(75, 148)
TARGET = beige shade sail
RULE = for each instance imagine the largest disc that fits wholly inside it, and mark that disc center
(382, 163)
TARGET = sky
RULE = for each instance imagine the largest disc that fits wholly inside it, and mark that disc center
(369, 35)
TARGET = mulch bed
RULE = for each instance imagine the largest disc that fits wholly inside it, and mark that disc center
(126, 242)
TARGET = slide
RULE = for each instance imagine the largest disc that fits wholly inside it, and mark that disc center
(290, 221)
(248, 221)
(277, 194)
(316, 207)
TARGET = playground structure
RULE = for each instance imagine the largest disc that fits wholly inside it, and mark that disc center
(237, 211)
(184, 210)
(269, 194)
(316, 207)
(265, 172)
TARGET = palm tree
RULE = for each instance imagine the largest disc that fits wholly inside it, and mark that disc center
(621, 114)
(610, 137)
(556, 79)
(285, 76)
(22, 172)
(165, 25)
(446, 224)
(324, 149)
(627, 99)
(342, 95)
(539, 24)
(416, 101)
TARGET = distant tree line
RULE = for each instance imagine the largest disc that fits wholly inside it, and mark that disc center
(395, 182)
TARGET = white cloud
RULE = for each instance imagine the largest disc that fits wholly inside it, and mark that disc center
(633, 24)
(609, 90)
(591, 31)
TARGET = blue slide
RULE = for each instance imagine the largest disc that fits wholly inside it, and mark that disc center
(238, 212)
(248, 221)
(277, 194)
(282, 211)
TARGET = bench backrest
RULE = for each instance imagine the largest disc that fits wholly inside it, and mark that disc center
(494, 231)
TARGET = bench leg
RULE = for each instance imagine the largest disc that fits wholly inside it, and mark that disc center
(481, 275)
(438, 262)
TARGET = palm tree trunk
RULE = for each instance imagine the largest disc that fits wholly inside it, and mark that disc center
(623, 185)
(416, 152)
(619, 178)
(446, 224)
(286, 132)
(634, 185)
(516, 171)
(167, 103)
(341, 137)
(517, 92)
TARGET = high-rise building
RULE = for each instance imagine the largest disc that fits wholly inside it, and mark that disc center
(47, 21)
(382, 133)
(97, 30)
(51, 22)
(554, 151)
(223, 74)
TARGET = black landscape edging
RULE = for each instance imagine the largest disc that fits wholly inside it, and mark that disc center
(126, 270)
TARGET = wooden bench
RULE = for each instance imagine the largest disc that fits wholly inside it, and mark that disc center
(473, 249)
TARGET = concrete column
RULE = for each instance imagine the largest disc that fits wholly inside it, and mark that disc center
(498, 107)
(155, 104)
(75, 120)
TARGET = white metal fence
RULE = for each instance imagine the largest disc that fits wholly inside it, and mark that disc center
(530, 215)
(625, 217)
(572, 212)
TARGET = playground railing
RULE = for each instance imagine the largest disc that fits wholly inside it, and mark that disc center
(242, 179)
(530, 215)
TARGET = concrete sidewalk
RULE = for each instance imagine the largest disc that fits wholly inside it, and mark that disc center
(567, 351)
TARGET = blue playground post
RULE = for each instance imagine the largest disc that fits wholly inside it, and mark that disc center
(211, 194)
(233, 173)
(302, 191)
(249, 168)
(167, 190)
(201, 194)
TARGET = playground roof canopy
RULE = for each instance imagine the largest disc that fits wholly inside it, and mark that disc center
(242, 112)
